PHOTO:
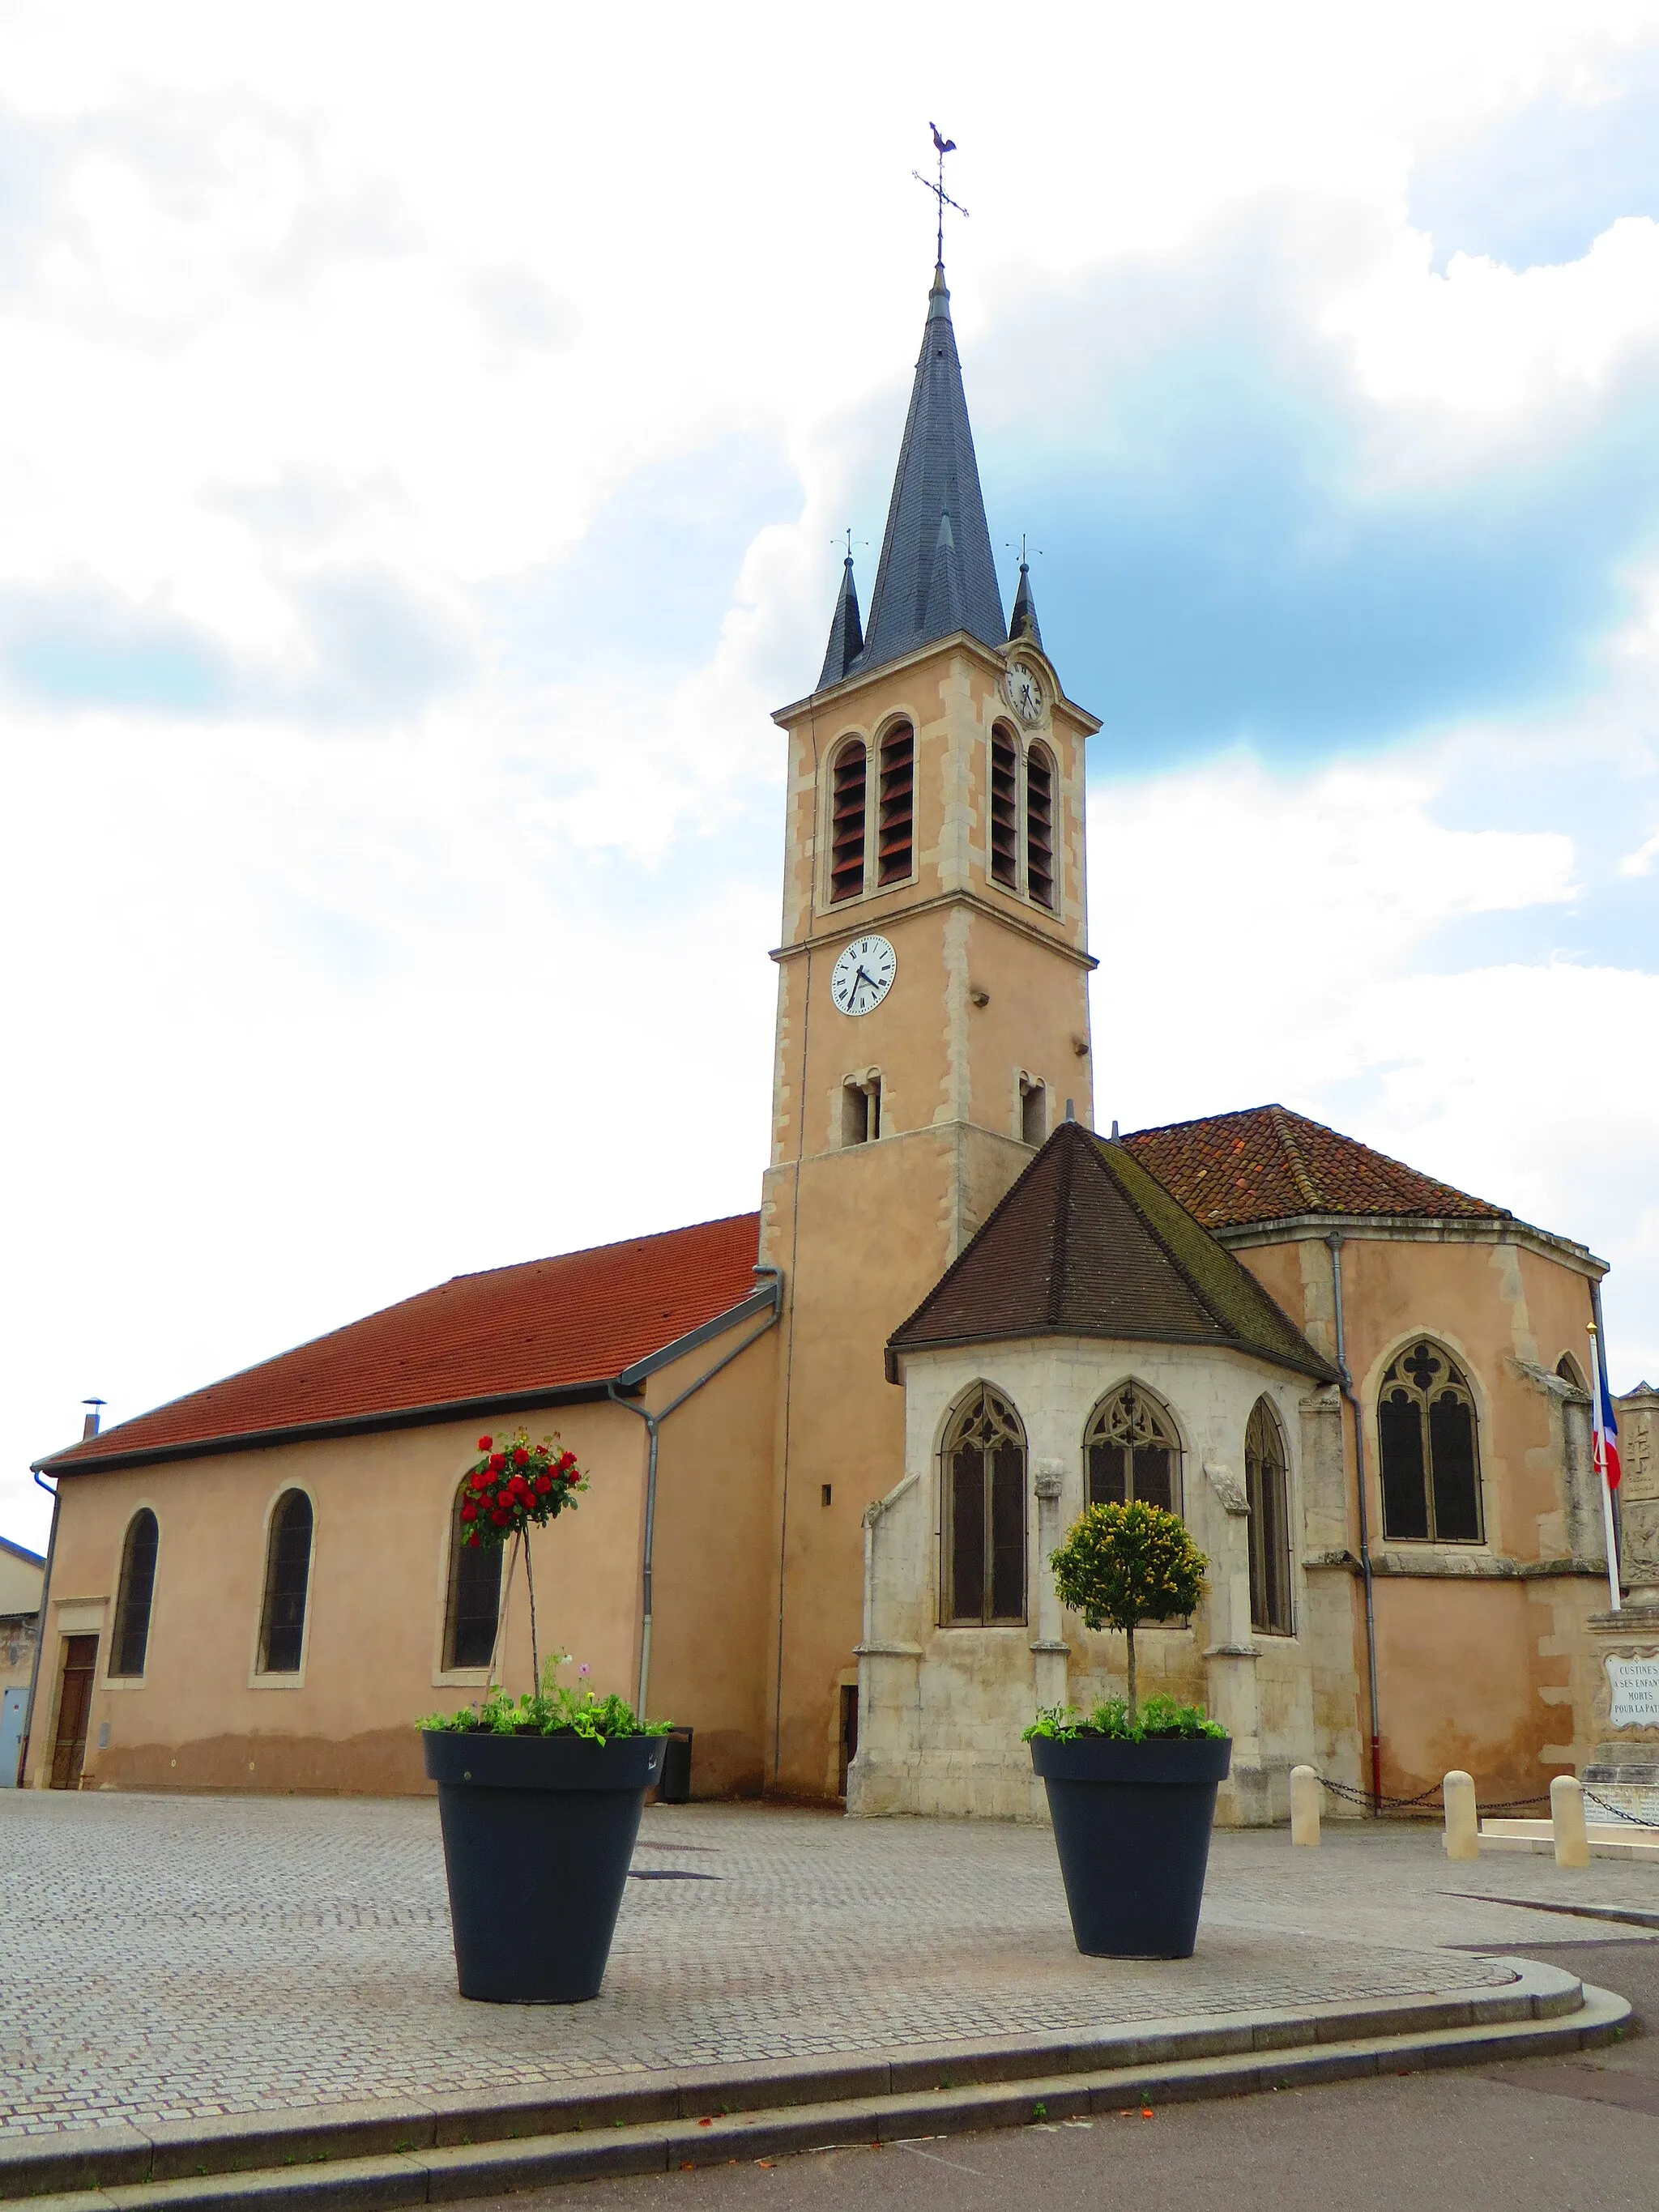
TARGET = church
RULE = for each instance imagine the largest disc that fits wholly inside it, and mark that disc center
(833, 1441)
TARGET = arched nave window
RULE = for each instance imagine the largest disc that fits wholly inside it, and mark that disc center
(1267, 1485)
(287, 1578)
(129, 1644)
(1429, 1452)
(474, 1609)
(983, 1475)
(1132, 1450)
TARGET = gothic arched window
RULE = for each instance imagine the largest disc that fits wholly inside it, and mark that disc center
(474, 1610)
(984, 1517)
(1425, 1429)
(1267, 1485)
(1005, 809)
(129, 1644)
(287, 1577)
(1040, 826)
(1132, 1450)
(895, 804)
(847, 779)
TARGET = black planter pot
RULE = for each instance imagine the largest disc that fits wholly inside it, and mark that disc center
(1132, 1826)
(538, 1831)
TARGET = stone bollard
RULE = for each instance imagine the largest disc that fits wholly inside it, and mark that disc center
(1304, 1806)
(1462, 1816)
(1567, 1818)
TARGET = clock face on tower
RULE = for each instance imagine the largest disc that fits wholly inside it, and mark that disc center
(863, 975)
(1024, 689)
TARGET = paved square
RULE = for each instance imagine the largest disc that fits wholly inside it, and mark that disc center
(164, 1958)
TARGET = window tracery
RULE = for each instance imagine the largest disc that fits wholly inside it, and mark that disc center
(984, 1517)
(1429, 1450)
(1267, 1486)
(1132, 1451)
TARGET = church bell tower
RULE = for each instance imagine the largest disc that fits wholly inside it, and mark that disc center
(932, 1019)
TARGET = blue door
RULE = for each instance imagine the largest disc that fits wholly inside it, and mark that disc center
(11, 1734)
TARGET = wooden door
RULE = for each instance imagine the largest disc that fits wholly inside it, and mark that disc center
(74, 1703)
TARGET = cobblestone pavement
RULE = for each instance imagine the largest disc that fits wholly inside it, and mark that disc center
(166, 1958)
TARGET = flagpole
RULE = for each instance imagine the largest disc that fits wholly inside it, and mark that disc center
(1602, 1466)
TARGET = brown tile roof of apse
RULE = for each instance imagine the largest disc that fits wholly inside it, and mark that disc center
(1088, 1243)
(1265, 1163)
(546, 1327)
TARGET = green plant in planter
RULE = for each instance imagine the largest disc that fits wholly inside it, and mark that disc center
(1123, 1565)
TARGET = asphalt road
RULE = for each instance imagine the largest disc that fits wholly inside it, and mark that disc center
(1551, 2135)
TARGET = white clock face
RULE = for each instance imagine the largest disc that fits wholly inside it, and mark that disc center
(1025, 691)
(863, 974)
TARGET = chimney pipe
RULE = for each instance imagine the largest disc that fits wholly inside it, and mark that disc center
(89, 1426)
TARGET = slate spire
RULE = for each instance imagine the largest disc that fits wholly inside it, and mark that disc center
(846, 630)
(937, 574)
(1023, 623)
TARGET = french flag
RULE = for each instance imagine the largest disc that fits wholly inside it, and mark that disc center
(1607, 1441)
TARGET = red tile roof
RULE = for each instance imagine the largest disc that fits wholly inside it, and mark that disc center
(547, 1326)
(1266, 1164)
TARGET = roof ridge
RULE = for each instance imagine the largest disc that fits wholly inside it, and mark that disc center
(1059, 1257)
(1222, 1323)
(548, 1259)
(1304, 1182)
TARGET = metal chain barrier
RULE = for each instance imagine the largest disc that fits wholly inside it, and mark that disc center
(1617, 1811)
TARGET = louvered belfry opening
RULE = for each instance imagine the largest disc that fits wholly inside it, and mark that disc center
(847, 821)
(898, 802)
(1004, 809)
(1040, 826)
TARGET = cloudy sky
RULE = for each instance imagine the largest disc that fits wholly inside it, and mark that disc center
(424, 435)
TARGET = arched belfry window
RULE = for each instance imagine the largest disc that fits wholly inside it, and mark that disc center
(1426, 1437)
(474, 1610)
(1005, 808)
(846, 806)
(984, 1517)
(1132, 1451)
(129, 1644)
(896, 800)
(287, 1578)
(1040, 826)
(1267, 1485)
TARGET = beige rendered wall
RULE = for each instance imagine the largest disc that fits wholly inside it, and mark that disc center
(19, 1584)
(988, 986)
(1476, 1643)
(200, 1718)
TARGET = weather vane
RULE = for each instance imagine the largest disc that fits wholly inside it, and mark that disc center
(942, 146)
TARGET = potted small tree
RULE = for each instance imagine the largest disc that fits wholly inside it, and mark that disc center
(1130, 1786)
(539, 1796)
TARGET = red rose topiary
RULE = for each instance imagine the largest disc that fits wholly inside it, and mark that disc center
(509, 1491)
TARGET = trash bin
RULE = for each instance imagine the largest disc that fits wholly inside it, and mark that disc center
(675, 1788)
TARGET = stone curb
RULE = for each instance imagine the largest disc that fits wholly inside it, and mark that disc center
(360, 2158)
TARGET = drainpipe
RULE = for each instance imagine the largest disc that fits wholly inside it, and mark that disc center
(51, 1489)
(654, 1426)
(1335, 1242)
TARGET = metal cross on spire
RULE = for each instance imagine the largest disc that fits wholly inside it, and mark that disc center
(942, 146)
